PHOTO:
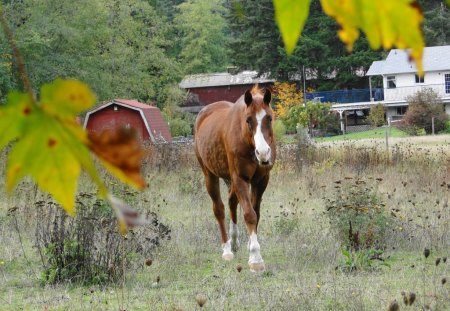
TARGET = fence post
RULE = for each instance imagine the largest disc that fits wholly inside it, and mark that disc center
(387, 137)
(432, 125)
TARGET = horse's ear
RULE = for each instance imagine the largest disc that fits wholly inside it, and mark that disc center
(248, 98)
(267, 97)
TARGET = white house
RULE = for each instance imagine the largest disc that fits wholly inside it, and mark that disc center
(400, 78)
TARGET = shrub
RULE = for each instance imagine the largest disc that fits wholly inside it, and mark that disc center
(423, 106)
(180, 127)
(376, 115)
(279, 130)
(88, 249)
(447, 128)
(357, 214)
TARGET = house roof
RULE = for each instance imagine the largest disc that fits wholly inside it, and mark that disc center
(151, 115)
(224, 79)
(376, 68)
(435, 58)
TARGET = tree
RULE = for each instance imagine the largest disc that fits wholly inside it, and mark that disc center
(255, 39)
(286, 96)
(423, 106)
(203, 43)
(117, 47)
(435, 27)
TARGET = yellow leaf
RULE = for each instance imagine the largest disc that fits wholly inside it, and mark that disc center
(291, 16)
(386, 24)
(66, 97)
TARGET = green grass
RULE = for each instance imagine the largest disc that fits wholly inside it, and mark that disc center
(377, 133)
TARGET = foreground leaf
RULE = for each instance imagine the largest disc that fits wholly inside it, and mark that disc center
(127, 216)
(51, 146)
(291, 16)
(43, 154)
(386, 24)
(66, 98)
(13, 115)
(120, 153)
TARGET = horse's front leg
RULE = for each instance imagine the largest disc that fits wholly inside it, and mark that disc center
(257, 191)
(255, 260)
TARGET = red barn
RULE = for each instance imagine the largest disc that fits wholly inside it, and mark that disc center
(209, 88)
(147, 120)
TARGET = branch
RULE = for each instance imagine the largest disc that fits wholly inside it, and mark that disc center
(16, 53)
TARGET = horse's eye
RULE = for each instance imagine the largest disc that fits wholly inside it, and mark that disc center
(249, 121)
(269, 118)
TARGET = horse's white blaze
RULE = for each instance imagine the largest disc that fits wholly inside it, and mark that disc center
(227, 253)
(234, 236)
(255, 249)
(262, 148)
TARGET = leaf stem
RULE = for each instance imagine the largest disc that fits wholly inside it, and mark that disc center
(16, 53)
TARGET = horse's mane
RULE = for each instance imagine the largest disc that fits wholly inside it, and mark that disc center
(256, 90)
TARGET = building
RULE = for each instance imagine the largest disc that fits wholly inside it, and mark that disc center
(399, 81)
(205, 89)
(147, 120)
(400, 78)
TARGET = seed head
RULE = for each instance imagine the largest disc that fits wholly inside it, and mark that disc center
(239, 267)
(394, 306)
(426, 252)
(412, 298)
(201, 300)
(438, 261)
(148, 262)
(444, 259)
(443, 281)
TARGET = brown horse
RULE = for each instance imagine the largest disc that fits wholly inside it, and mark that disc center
(235, 142)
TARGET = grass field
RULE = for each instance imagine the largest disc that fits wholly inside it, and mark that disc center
(378, 133)
(303, 252)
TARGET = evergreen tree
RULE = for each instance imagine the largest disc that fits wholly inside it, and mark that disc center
(201, 26)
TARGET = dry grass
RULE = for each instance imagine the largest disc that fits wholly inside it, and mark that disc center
(302, 253)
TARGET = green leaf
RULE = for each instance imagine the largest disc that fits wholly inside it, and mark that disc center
(291, 16)
(52, 148)
(43, 154)
(66, 97)
(13, 115)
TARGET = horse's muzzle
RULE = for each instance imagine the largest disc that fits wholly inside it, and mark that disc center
(264, 158)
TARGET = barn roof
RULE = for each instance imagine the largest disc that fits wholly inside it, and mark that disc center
(224, 79)
(435, 58)
(151, 115)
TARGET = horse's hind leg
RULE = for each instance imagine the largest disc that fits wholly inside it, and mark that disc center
(234, 233)
(213, 188)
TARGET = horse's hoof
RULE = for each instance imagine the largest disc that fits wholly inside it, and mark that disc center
(257, 267)
(228, 256)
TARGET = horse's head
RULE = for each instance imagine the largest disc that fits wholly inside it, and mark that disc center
(258, 124)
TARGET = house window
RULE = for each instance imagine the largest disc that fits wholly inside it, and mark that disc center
(391, 82)
(447, 83)
(401, 110)
(420, 79)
